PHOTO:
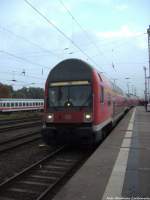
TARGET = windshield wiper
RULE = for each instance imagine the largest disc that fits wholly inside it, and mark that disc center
(85, 102)
(53, 105)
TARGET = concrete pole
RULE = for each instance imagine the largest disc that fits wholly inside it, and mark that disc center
(148, 32)
(145, 83)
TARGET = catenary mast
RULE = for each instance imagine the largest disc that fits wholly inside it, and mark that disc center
(148, 32)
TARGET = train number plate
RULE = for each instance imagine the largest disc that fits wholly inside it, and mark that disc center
(68, 117)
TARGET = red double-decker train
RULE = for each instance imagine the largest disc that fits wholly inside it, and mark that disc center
(80, 103)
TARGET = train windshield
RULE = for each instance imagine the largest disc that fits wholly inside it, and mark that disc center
(70, 96)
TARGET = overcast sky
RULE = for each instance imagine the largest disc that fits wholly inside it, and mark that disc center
(105, 33)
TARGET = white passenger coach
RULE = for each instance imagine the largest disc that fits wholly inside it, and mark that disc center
(12, 104)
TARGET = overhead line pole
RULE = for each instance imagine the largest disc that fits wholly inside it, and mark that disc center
(145, 92)
(148, 32)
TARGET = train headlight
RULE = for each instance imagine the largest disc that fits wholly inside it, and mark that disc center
(87, 117)
(50, 117)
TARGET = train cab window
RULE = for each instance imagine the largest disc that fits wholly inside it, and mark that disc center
(101, 95)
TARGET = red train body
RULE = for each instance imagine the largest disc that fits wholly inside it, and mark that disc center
(79, 103)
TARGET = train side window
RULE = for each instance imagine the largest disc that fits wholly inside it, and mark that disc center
(0, 104)
(12, 104)
(20, 104)
(8, 104)
(24, 104)
(3, 104)
(101, 95)
(16, 104)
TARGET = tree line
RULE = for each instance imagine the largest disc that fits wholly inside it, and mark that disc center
(7, 91)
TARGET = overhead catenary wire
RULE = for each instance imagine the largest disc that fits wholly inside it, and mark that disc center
(17, 73)
(22, 83)
(85, 32)
(28, 41)
(22, 58)
(121, 41)
(60, 31)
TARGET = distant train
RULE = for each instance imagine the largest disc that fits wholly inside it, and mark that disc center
(79, 103)
(13, 105)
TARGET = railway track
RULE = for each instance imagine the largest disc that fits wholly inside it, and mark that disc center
(27, 124)
(20, 120)
(18, 141)
(40, 179)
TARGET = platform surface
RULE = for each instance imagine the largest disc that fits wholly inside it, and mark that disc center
(119, 168)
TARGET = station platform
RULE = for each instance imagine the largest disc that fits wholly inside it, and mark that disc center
(119, 168)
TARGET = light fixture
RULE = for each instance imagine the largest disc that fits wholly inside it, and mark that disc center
(87, 117)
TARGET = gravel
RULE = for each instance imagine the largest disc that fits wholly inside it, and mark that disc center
(4, 136)
(16, 160)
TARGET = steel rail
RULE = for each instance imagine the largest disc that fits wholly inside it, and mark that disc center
(14, 121)
(19, 141)
(19, 126)
(37, 180)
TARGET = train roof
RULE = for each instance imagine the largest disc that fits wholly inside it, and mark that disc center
(70, 70)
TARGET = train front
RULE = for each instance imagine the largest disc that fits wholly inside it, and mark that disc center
(68, 104)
